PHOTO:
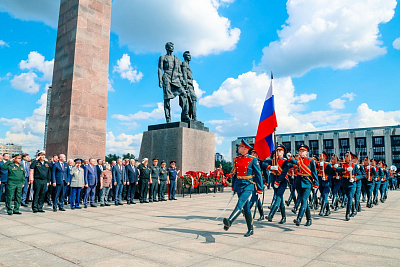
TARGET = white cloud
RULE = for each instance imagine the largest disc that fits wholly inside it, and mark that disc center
(366, 117)
(25, 82)
(123, 143)
(190, 24)
(327, 33)
(39, 10)
(27, 132)
(243, 97)
(6, 77)
(110, 87)
(339, 103)
(396, 44)
(126, 71)
(37, 62)
(2, 43)
(155, 114)
(197, 89)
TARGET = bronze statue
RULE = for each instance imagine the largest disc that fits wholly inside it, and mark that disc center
(172, 82)
(188, 84)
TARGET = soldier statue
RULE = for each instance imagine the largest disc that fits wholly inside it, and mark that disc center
(171, 80)
(188, 84)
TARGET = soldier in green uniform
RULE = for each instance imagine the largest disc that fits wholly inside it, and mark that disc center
(16, 180)
(155, 173)
(40, 176)
(163, 181)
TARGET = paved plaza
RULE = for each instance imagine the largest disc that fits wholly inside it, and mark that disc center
(185, 233)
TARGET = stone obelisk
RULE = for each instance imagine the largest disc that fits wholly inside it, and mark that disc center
(78, 104)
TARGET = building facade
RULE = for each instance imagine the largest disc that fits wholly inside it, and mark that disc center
(10, 149)
(219, 157)
(380, 143)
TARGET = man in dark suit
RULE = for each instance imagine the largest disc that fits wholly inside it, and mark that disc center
(132, 179)
(99, 168)
(119, 180)
(25, 163)
(3, 174)
(60, 180)
(90, 183)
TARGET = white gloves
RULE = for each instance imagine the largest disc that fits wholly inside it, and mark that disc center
(337, 177)
(352, 180)
(321, 164)
(349, 169)
(377, 179)
(368, 167)
(288, 155)
(275, 185)
(323, 179)
(336, 166)
(274, 168)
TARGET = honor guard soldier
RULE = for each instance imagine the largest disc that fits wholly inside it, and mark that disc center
(378, 179)
(359, 182)
(279, 167)
(384, 183)
(258, 202)
(40, 176)
(325, 176)
(155, 180)
(16, 180)
(350, 175)
(247, 178)
(336, 183)
(163, 181)
(307, 180)
(371, 172)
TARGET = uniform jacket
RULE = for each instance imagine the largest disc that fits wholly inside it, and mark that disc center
(16, 174)
(77, 177)
(247, 166)
(91, 175)
(307, 175)
(280, 176)
(60, 173)
(119, 174)
(132, 174)
(356, 174)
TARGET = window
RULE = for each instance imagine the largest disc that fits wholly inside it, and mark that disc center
(395, 140)
(288, 146)
(314, 147)
(361, 142)
(343, 146)
(328, 144)
(378, 141)
(298, 144)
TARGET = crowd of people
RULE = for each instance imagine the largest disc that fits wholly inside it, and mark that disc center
(90, 182)
(311, 181)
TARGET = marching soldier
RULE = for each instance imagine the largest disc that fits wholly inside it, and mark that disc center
(378, 179)
(359, 183)
(16, 180)
(307, 180)
(370, 175)
(248, 179)
(336, 182)
(258, 202)
(325, 176)
(279, 167)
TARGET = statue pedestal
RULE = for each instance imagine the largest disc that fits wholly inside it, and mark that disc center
(191, 145)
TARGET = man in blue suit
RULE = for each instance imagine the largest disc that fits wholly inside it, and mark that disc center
(60, 180)
(132, 179)
(90, 183)
(3, 174)
(26, 164)
(119, 180)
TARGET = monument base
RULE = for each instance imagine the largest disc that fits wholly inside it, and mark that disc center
(191, 145)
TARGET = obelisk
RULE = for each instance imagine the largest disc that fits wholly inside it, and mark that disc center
(78, 105)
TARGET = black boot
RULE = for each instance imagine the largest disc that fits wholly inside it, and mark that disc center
(289, 200)
(328, 211)
(283, 213)
(353, 210)
(321, 212)
(347, 218)
(308, 216)
(272, 213)
(261, 211)
(228, 221)
(333, 203)
(249, 222)
(359, 207)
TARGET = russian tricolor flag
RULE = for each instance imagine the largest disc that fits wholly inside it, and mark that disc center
(264, 143)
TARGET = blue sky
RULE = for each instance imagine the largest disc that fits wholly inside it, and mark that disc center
(336, 65)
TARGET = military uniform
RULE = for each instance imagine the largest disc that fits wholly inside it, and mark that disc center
(325, 176)
(42, 177)
(377, 185)
(281, 182)
(163, 184)
(16, 179)
(371, 174)
(172, 174)
(155, 174)
(247, 178)
(307, 179)
(144, 176)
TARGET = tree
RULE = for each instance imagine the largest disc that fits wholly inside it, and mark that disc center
(128, 156)
(111, 157)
